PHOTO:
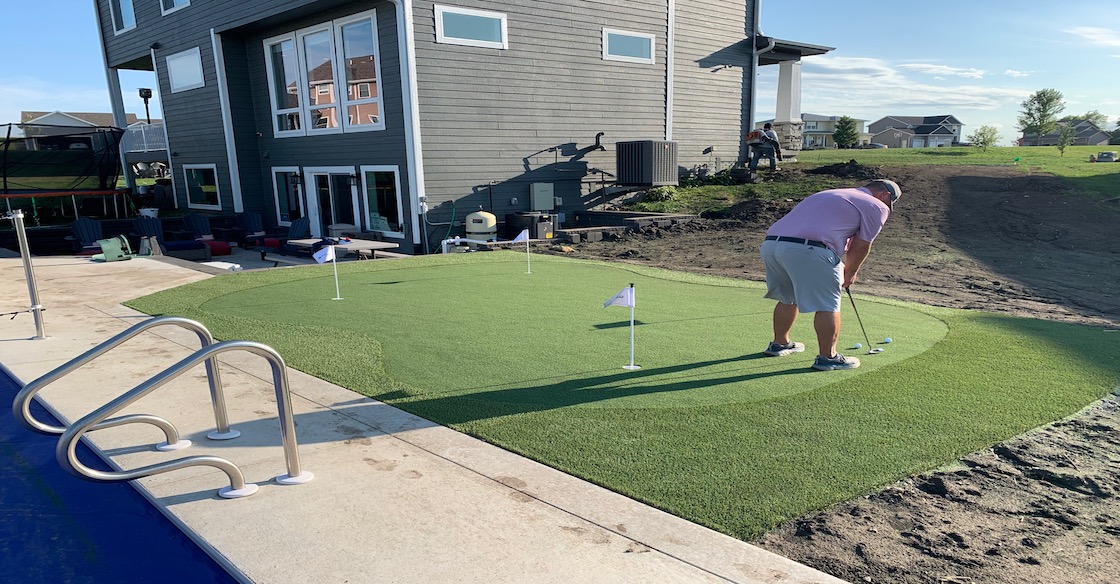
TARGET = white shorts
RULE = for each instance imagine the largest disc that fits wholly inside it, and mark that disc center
(805, 275)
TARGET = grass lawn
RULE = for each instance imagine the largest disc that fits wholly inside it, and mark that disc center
(708, 429)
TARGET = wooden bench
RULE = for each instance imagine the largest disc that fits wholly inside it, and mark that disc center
(380, 254)
(277, 260)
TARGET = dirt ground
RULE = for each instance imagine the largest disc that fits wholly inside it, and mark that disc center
(1041, 507)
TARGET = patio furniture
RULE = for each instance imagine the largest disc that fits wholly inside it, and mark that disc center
(187, 250)
(299, 229)
(199, 226)
(252, 228)
(85, 232)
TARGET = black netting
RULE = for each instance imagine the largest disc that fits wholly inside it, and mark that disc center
(37, 158)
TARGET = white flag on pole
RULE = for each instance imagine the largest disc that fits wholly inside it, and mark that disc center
(523, 236)
(623, 298)
(324, 255)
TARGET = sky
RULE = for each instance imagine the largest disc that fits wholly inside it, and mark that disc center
(974, 59)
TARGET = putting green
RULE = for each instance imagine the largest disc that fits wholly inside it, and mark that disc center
(478, 326)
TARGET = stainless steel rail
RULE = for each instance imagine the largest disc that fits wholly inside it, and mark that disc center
(66, 453)
(21, 407)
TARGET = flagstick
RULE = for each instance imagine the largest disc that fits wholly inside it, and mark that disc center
(334, 262)
(632, 366)
(528, 264)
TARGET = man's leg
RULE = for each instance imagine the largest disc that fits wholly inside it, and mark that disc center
(756, 155)
(827, 325)
(784, 316)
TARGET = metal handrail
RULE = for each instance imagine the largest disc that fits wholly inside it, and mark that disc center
(21, 407)
(66, 451)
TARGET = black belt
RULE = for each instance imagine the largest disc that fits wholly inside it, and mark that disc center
(796, 240)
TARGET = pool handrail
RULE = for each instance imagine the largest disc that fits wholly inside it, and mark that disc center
(66, 451)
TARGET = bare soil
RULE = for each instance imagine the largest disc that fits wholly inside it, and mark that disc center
(1041, 507)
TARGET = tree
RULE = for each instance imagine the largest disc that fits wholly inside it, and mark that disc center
(1065, 137)
(1097, 118)
(845, 135)
(985, 137)
(1039, 115)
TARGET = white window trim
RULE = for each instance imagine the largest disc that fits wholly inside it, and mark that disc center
(343, 92)
(443, 38)
(276, 194)
(197, 53)
(114, 5)
(165, 12)
(652, 46)
(309, 173)
(396, 170)
(217, 186)
(305, 82)
(276, 131)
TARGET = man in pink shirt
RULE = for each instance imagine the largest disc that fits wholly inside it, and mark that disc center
(814, 252)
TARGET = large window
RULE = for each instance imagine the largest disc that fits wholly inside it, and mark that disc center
(632, 47)
(326, 79)
(473, 28)
(169, 6)
(124, 17)
(286, 182)
(202, 186)
(381, 186)
(184, 70)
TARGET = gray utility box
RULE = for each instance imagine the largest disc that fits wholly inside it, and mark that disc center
(539, 225)
(646, 163)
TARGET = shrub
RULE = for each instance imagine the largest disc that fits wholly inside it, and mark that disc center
(665, 193)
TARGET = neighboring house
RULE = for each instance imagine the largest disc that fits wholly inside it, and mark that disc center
(916, 131)
(1086, 133)
(57, 118)
(818, 130)
(403, 116)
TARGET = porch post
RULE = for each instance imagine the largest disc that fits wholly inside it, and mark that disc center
(787, 115)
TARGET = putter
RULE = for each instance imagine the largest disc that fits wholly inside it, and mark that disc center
(860, 321)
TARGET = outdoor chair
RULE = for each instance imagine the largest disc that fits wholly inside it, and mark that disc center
(85, 232)
(252, 228)
(199, 226)
(188, 250)
(300, 229)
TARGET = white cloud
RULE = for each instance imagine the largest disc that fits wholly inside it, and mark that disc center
(1014, 73)
(1098, 36)
(932, 69)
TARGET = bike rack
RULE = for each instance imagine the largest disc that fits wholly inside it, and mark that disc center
(66, 451)
(21, 407)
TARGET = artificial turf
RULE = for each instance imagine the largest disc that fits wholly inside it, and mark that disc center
(708, 429)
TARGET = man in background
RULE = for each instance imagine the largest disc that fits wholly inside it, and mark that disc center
(769, 147)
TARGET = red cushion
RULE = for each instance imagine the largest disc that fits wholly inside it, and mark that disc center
(217, 248)
(272, 242)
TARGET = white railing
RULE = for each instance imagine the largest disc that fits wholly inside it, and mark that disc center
(144, 138)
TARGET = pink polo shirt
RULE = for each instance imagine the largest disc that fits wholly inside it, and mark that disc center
(834, 217)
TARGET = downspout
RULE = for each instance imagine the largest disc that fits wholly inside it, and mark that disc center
(406, 48)
(670, 60)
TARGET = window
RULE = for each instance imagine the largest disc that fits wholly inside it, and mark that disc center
(202, 186)
(184, 70)
(285, 183)
(381, 186)
(325, 79)
(169, 6)
(631, 47)
(124, 17)
(473, 28)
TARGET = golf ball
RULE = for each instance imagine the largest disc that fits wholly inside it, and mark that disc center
(888, 340)
(858, 345)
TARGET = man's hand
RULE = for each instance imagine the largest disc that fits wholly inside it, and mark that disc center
(853, 259)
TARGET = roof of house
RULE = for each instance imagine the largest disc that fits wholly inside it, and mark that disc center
(815, 118)
(925, 120)
(90, 118)
(1085, 129)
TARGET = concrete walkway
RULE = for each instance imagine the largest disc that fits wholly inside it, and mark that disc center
(395, 498)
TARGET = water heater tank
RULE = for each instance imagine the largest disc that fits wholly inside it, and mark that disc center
(482, 226)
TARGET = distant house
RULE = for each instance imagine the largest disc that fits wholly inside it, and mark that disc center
(1086, 133)
(57, 118)
(818, 131)
(400, 116)
(916, 131)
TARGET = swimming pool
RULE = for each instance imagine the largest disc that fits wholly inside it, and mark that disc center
(55, 527)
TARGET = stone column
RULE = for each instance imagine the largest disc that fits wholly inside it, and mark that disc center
(787, 116)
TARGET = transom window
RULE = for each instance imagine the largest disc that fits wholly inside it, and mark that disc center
(184, 70)
(631, 47)
(326, 78)
(202, 186)
(124, 17)
(473, 28)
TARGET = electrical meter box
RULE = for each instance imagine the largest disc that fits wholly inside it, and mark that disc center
(541, 197)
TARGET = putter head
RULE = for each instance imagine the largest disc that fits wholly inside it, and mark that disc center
(875, 351)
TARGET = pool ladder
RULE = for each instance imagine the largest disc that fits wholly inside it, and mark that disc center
(66, 451)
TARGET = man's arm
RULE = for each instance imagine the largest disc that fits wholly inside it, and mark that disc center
(858, 250)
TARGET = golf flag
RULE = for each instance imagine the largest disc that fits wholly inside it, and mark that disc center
(623, 298)
(523, 236)
(324, 255)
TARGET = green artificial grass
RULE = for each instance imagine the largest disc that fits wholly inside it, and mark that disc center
(708, 429)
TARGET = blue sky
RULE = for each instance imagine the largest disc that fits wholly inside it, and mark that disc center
(975, 59)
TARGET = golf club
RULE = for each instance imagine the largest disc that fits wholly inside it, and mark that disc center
(860, 321)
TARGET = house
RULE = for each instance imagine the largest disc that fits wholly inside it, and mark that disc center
(1086, 133)
(401, 117)
(818, 130)
(916, 131)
